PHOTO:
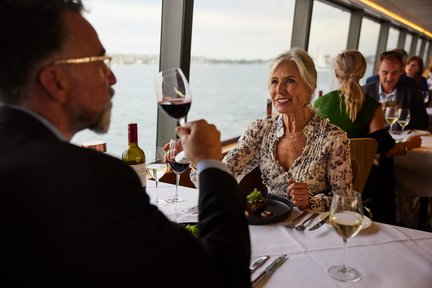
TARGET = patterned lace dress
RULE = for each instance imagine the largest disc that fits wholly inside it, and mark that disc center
(325, 164)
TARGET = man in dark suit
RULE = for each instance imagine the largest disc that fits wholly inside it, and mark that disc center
(73, 217)
(390, 88)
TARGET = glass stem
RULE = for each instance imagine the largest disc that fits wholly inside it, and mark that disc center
(345, 242)
(177, 184)
(182, 121)
(156, 192)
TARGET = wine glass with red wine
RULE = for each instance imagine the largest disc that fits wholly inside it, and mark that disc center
(178, 169)
(174, 97)
(173, 94)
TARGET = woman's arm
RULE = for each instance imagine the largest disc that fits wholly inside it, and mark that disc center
(378, 120)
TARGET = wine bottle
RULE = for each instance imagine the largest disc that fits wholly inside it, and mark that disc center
(134, 155)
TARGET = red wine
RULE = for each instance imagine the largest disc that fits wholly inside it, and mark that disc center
(176, 108)
(177, 167)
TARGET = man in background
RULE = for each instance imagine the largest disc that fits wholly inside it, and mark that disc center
(404, 55)
(74, 217)
(391, 88)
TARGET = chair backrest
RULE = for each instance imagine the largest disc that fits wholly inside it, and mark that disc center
(363, 151)
(251, 181)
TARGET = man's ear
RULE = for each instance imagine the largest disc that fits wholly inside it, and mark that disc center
(54, 81)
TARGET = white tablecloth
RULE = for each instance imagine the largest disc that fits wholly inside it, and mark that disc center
(413, 172)
(387, 256)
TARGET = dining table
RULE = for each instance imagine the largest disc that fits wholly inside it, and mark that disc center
(413, 177)
(385, 255)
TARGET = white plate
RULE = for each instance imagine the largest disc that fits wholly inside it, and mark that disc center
(367, 222)
(410, 133)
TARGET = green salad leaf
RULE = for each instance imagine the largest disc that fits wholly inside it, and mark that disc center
(192, 228)
(255, 196)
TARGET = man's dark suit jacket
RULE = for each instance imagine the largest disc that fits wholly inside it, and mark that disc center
(408, 96)
(74, 217)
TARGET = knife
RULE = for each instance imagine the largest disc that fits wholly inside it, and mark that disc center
(319, 224)
(258, 263)
(269, 269)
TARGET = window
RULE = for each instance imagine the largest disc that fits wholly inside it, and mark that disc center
(392, 39)
(419, 44)
(328, 37)
(425, 55)
(232, 43)
(408, 40)
(368, 44)
(131, 34)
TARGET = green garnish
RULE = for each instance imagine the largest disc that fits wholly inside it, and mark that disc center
(192, 229)
(255, 196)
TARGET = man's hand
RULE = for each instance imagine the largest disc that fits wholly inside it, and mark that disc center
(200, 141)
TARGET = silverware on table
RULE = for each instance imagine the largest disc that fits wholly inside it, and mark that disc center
(192, 210)
(320, 223)
(258, 263)
(293, 222)
(269, 269)
(302, 226)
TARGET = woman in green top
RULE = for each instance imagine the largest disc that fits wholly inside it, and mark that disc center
(362, 116)
(356, 114)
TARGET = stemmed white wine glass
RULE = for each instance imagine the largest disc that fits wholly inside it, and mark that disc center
(178, 169)
(174, 97)
(346, 217)
(156, 168)
(390, 115)
(403, 117)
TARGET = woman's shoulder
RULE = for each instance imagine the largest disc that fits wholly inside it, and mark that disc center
(325, 127)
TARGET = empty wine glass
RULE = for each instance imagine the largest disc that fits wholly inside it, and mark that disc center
(403, 117)
(156, 168)
(178, 169)
(346, 217)
(390, 115)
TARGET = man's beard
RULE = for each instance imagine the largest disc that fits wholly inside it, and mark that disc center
(103, 123)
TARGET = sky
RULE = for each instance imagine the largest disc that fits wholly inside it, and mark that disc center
(236, 29)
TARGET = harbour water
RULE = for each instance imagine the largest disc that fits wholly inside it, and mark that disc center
(229, 95)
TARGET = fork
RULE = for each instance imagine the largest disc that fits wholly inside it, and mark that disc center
(292, 224)
(302, 226)
(191, 210)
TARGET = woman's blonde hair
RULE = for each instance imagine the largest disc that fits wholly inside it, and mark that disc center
(304, 63)
(350, 68)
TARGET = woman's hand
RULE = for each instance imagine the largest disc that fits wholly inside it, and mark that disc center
(412, 142)
(299, 193)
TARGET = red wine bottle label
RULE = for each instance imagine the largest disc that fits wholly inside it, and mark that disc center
(140, 169)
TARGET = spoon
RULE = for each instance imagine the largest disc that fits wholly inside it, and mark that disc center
(258, 263)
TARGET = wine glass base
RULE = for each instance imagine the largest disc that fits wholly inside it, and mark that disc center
(159, 202)
(174, 199)
(344, 273)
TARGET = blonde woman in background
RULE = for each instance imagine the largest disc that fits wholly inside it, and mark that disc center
(362, 116)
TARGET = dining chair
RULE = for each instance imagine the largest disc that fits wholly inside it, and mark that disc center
(363, 153)
(251, 181)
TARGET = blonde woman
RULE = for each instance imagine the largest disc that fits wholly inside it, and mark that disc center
(355, 113)
(362, 116)
(300, 155)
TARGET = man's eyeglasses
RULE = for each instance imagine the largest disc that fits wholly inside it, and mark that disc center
(105, 59)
